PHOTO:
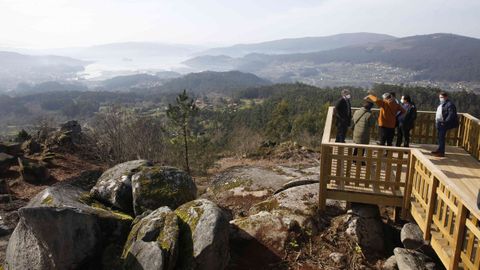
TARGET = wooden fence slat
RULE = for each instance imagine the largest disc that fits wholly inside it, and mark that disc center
(459, 230)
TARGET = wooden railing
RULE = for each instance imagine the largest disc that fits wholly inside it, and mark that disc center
(447, 219)
(469, 135)
(363, 173)
(405, 177)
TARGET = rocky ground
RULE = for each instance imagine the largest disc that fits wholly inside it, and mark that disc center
(248, 213)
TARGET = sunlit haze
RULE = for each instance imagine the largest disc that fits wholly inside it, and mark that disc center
(67, 23)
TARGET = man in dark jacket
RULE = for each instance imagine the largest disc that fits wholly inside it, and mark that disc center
(406, 121)
(343, 115)
(446, 118)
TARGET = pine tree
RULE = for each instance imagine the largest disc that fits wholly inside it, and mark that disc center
(181, 115)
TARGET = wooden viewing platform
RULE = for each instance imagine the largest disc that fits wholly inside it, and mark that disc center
(440, 194)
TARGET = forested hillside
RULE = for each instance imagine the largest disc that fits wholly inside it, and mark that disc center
(209, 81)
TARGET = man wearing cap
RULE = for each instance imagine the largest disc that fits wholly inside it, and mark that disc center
(343, 115)
(387, 118)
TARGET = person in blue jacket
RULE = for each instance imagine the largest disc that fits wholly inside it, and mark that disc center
(446, 118)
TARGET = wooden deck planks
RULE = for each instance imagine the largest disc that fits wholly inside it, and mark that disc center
(462, 170)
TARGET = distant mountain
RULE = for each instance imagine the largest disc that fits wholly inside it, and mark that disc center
(125, 82)
(212, 62)
(15, 60)
(216, 82)
(135, 81)
(16, 68)
(437, 57)
(44, 87)
(298, 45)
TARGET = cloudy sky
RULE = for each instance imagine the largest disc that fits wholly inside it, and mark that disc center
(66, 23)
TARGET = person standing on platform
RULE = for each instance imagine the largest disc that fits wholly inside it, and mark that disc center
(406, 122)
(446, 118)
(343, 115)
(387, 117)
(363, 121)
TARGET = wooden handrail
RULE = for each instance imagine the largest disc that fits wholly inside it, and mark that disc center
(328, 125)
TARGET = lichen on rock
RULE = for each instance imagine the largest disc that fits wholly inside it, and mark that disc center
(157, 186)
(153, 241)
(114, 185)
(204, 238)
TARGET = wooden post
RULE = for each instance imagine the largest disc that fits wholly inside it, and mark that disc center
(408, 185)
(322, 193)
(458, 235)
(432, 196)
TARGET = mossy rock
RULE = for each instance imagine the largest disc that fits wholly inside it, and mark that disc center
(87, 234)
(157, 186)
(153, 241)
(271, 229)
(114, 187)
(204, 237)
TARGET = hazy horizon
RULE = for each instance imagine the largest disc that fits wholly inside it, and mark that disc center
(54, 24)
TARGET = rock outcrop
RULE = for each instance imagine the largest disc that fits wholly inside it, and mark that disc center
(33, 172)
(31, 146)
(365, 226)
(412, 237)
(412, 260)
(269, 229)
(204, 236)
(114, 187)
(239, 188)
(6, 161)
(153, 242)
(63, 228)
(390, 264)
(157, 186)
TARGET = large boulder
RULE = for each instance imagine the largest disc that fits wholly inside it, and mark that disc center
(364, 226)
(12, 148)
(33, 172)
(156, 186)
(153, 242)
(412, 260)
(31, 147)
(114, 186)
(63, 228)
(412, 237)
(297, 203)
(6, 161)
(239, 188)
(204, 236)
(71, 126)
(25, 251)
(72, 130)
(269, 229)
(390, 264)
